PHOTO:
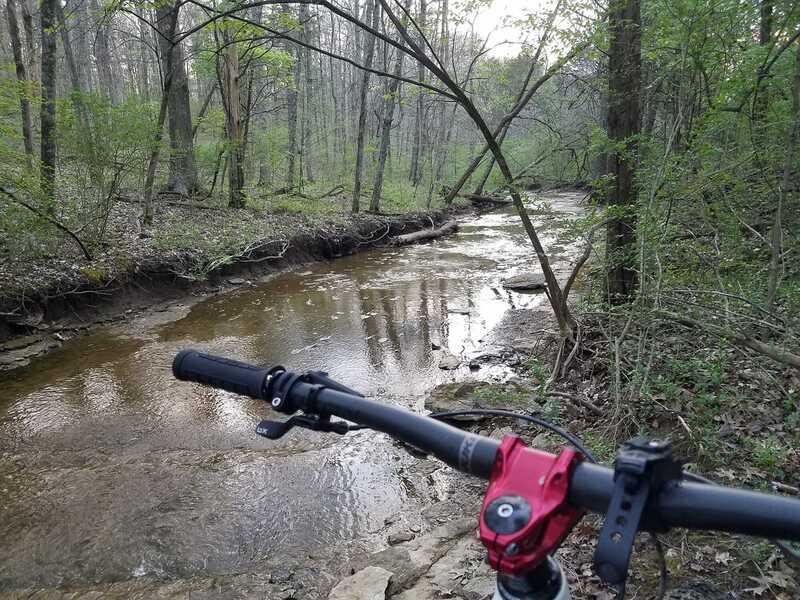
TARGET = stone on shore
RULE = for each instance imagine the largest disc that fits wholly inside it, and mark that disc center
(526, 282)
(369, 583)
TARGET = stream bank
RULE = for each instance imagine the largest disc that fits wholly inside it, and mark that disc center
(46, 302)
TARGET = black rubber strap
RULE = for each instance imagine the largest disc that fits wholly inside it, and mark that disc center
(615, 544)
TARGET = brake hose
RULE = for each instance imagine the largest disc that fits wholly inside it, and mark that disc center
(572, 439)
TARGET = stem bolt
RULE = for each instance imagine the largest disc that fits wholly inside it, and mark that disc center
(505, 510)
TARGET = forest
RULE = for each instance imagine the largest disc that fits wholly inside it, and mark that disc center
(188, 136)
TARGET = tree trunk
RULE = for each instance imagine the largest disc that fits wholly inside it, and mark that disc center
(766, 9)
(233, 120)
(426, 234)
(182, 170)
(169, 27)
(419, 117)
(761, 99)
(155, 151)
(624, 68)
(22, 79)
(82, 45)
(291, 113)
(776, 241)
(78, 103)
(308, 94)
(48, 106)
(144, 59)
(30, 41)
(74, 71)
(102, 53)
(369, 52)
(386, 133)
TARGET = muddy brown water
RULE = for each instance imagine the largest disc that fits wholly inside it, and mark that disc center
(110, 470)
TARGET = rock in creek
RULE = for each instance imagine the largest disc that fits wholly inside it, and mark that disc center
(367, 584)
(526, 282)
(449, 362)
(399, 538)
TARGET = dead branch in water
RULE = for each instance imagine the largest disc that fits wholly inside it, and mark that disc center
(425, 234)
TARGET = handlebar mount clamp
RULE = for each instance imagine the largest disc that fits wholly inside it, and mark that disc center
(641, 468)
(525, 515)
(279, 389)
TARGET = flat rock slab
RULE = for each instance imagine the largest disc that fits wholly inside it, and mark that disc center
(526, 282)
(449, 362)
(369, 583)
(447, 562)
(399, 538)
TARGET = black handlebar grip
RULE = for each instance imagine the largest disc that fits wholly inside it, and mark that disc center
(223, 373)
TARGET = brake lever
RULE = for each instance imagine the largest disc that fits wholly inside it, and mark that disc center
(275, 430)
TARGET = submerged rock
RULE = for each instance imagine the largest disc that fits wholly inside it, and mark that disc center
(526, 282)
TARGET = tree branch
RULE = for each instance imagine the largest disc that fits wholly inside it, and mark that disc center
(13, 198)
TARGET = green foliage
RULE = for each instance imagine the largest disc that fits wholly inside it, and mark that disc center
(768, 454)
(102, 149)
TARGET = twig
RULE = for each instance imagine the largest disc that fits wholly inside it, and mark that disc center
(577, 399)
(776, 353)
(49, 219)
(777, 485)
(685, 426)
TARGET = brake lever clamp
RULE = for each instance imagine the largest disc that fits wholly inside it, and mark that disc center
(525, 514)
(641, 468)
(274, 430)
(281, 382)
(279, 389)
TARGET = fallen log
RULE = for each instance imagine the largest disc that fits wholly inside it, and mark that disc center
(197, 205)
(478, 199)
(425, 234)
(335, 190)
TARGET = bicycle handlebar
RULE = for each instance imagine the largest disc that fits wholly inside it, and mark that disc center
(678, 504)
(224, 373)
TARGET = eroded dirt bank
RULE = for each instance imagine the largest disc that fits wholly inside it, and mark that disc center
(45, 302)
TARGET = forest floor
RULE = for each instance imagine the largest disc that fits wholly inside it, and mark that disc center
(52, 292)
(745, 444)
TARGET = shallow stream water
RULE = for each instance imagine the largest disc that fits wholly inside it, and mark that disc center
(110, 470)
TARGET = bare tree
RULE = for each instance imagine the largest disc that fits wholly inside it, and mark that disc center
(22, 79)
(419, 115)
(373, 16)
(386, 132)
(182, 172)
(624, 66)
(48, 110)
(102, 53)
(231, 98)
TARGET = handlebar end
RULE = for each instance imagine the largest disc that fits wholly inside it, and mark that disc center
(177, 363)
